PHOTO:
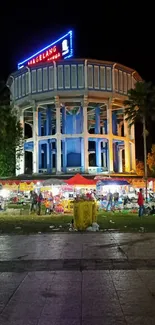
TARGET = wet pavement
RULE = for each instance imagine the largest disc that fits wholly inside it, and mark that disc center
(77, 279)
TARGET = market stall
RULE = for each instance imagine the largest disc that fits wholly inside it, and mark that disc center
(111, 193)
(77, 186)
(52, 195)
(81, 184)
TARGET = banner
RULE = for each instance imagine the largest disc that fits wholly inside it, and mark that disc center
(24, 187)
(11, 187)
(46, 188)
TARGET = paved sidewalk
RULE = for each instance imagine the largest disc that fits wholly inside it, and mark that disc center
(77, 279)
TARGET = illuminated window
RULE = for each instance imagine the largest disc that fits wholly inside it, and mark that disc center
(34, 81)
(90, 76)
(96, 77)
(51, 78)
(124, 82)
(73, 76)
(20, 86)
(129, 82)
(16, 88)
(116, 79)
(108, 72)
(67, 76)
(45, 79)
(23, 84)
(102, 77)
(27, 83)
(80, 76)
(39, 80)
(60, 76)
(120, 81)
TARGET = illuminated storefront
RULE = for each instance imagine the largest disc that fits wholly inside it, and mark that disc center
(74, 109)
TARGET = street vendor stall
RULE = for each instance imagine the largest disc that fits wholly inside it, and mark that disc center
(78, 185)
(103, 186)
(111, 192)
(52, 194)
(81, 183)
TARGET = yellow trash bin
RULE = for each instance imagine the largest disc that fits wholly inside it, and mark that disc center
(84, 214)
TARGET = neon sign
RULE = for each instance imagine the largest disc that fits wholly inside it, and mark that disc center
(60, 49)
(49, 55)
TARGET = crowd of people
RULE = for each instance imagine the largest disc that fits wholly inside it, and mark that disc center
(111, 201)
(35, 202)
(51, 203)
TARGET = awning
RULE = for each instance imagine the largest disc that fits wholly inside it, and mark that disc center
(112, 182)
(53, 181)
(80, 180)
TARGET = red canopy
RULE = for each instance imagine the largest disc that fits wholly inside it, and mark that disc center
(80, 180)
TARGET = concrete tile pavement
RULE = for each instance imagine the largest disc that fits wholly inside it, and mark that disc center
(86, 286)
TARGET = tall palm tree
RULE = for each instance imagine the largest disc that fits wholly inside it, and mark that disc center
(140, 106)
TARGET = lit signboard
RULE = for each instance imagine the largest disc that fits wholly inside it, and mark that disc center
(58, 50)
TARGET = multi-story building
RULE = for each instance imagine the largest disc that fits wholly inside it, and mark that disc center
(74, 111)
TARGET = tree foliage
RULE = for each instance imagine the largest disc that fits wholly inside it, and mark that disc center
(11, 135)
(151, 159)
(140, 104)
(139, 168)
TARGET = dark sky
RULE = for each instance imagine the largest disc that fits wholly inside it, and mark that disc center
(113, 30)
(116, 32)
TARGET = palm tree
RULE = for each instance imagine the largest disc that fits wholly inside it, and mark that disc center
(140, 106)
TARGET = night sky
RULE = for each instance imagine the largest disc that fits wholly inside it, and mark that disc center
(119, 32)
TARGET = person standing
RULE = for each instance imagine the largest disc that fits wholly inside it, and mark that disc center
(109, 200)
(33, 201)
(39, 200)
(116, 198)
(141, 202)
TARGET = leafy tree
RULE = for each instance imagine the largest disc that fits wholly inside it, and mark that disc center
(139, 168)
(151, 159)
(11, 135)
(140, 106)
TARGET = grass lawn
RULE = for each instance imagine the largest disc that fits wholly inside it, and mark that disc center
(108, 221)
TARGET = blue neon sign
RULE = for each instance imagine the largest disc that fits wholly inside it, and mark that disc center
(59, 50)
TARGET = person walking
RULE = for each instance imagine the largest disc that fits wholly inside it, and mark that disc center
(141, 203)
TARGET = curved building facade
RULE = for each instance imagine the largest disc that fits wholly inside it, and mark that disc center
(75, 116)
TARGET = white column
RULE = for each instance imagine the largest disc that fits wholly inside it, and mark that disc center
(20, 162)
(109, 127)
(113, 77)
(35, 139)
(133, 132)
(133, 151)
(133, 156)
(58, 135)
(86, 74)
(85, 134)
(120, 160)
(127, 156)
(127, 146)
(104, 159)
